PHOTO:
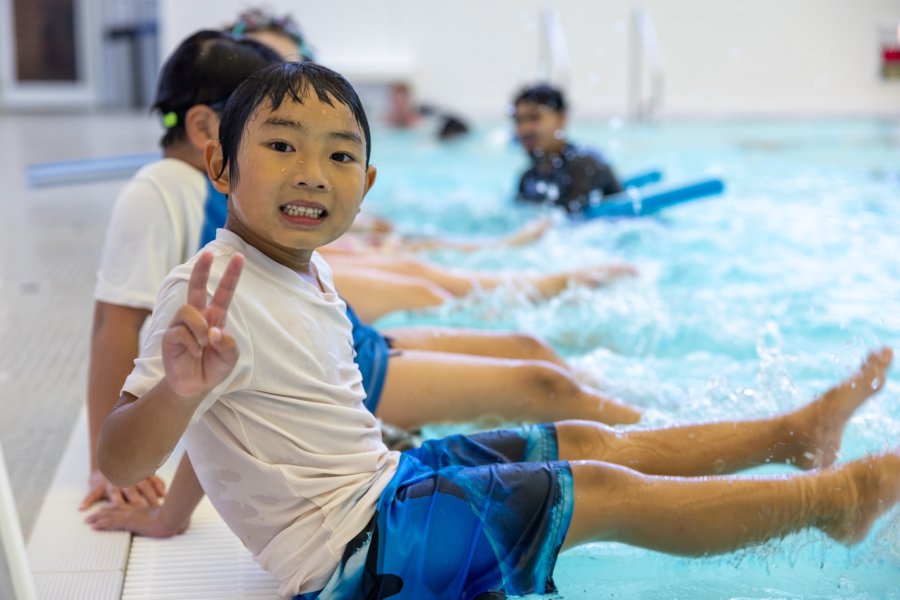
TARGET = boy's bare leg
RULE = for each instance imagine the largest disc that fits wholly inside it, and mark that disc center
(428, 387)
(808, 437)
(374, 294)
(707, 515)
(554, 283)
(455, 282)
(498, 344)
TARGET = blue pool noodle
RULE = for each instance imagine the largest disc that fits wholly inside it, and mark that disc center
(87, 170)
(640, 202)
(642, 178)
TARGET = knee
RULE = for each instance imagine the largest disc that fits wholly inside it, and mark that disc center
(425, 294)
(413, 266)
(579, 439)
(549, 381)
(532, 347)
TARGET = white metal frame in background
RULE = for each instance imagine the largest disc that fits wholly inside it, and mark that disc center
(13, 543)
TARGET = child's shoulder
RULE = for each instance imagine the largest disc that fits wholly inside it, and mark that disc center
(168, 169)
(169, 179)
(579, 153)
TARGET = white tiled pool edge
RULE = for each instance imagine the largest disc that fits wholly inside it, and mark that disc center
(68, 559)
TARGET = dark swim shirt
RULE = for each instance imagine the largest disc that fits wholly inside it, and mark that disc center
(571, 179)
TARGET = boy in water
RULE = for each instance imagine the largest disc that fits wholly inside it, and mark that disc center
(561, 174)
(295, 464)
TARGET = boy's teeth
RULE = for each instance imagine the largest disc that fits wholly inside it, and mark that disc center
(302, 211)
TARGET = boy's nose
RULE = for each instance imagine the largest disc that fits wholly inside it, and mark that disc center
(310, 174)
(524, 128)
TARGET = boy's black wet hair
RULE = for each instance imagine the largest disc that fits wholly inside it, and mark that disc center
(205, 69)
(542, 94)
(274, 83)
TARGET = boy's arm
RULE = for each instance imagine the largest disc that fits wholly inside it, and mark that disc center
(140, 433)
(114, 346)
(197, 355)
(172, 518)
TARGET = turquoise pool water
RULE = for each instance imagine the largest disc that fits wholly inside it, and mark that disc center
(747, 304)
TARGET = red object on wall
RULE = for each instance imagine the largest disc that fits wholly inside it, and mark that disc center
(890, 61)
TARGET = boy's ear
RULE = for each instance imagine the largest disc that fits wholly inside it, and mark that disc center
(371, 173)
(201, 124)
(214, 161)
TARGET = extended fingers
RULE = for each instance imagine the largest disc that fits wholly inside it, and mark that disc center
(95, 495)
(197, 283)
(195, 316)
(115, 517)
(218, 307)
(104, 518)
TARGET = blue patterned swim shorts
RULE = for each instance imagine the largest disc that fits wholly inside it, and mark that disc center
(464, 517)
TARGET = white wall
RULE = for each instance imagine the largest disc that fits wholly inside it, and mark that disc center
(722, 57)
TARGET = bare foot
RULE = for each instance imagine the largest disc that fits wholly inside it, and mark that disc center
(551, 285)
(596, 276)
(529, 233)
(816, 429)
(869, 487)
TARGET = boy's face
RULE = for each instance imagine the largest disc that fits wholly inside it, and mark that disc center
(302, 175)
(540, 129)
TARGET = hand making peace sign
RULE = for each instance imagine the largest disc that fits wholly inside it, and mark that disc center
(197, 354)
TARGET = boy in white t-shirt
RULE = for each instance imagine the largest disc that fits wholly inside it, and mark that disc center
(271, 408)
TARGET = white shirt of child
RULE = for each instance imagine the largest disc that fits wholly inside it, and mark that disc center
(155, 225)
(284, 447)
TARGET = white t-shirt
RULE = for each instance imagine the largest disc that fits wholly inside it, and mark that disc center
(284, 447)
(155, 225)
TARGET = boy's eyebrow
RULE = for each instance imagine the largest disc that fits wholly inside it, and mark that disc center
(350, 136)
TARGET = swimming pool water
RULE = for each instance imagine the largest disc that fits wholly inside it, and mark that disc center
(747, 303)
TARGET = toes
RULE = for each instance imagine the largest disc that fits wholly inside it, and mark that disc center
(880, 359)
(875, 366)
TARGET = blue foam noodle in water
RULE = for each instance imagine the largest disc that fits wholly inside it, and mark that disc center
(87, 170)
(642, 178)
(639, 202)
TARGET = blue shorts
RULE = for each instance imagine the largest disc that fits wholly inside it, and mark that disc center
(372, 352)
(463, 516)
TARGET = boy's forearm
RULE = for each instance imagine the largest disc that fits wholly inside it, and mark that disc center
(140, 433)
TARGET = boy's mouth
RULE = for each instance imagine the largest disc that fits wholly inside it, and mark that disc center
(307, 212)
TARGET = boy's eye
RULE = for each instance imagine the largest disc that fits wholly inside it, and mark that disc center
(280, 146)
(342, 157)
